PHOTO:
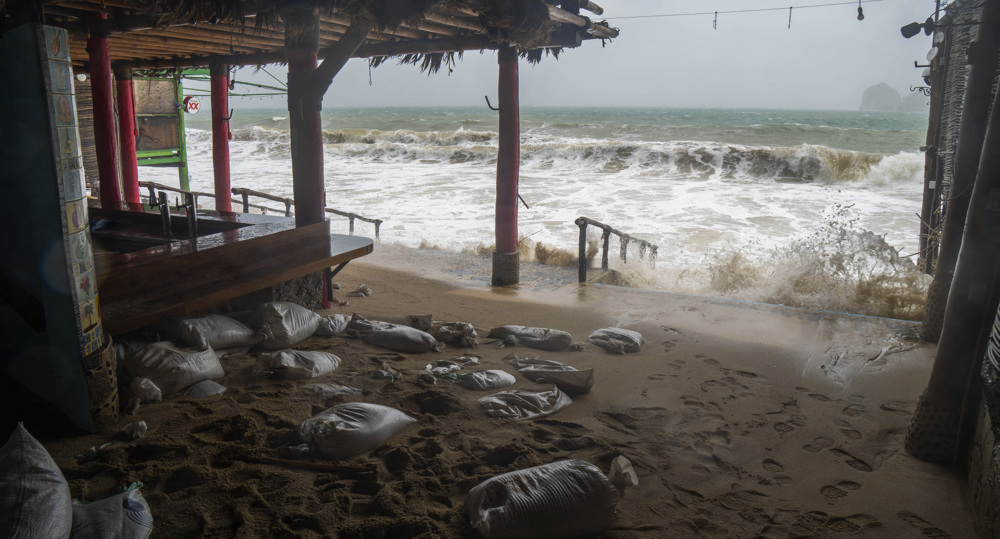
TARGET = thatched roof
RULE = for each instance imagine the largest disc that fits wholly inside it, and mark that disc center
(154, 34)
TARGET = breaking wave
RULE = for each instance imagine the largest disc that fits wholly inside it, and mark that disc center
(803, 163)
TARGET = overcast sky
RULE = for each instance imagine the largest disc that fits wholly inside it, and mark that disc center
(752, 60)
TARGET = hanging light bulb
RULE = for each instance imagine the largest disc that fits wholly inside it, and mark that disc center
(861, 12)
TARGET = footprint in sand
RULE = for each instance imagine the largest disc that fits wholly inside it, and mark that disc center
(852, 461)
(847, 429)
(746, 374)
(851, 524)
(708, 361)
(677, 363)
(854, 410)
(657, 376)
(926, 529)
(838, 491)
(818, 444)
(820, 397)
(776, 470)
(668, 346)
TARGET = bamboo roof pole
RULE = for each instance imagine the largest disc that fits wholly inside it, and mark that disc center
(944, 421)
(565, 17)
(982, 72)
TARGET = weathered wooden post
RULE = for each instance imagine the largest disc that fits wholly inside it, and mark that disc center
(582, 223)
(126, 135)
(946, 413)
(104, 113)
(304, 117)
(506, 263)
(220, 135)
(978, 94)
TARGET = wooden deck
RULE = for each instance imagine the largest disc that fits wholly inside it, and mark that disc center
(191, 276)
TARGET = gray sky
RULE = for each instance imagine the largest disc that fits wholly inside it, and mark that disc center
(753, 60)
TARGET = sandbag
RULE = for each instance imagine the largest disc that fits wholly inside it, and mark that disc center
(352, 429)
(402, 339)
(365, 326)
(286, 324)
(333, 324)
(517, 404)
(34, 496)
(217, 332)
(485, 380)
(299, 364)
(173, 369)
(121, 516)
(565, 377)
(617, 340)
(460, 333)
(204, 388)
(558, 500)
(540, 338)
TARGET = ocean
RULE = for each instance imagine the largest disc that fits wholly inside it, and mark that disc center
(812, 209)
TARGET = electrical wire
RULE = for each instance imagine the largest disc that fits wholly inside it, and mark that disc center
(755, 10)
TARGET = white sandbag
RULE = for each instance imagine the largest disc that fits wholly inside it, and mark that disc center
(204, 388)
(34, 496)
(617, 340)
(365, 326)
(517, 404)
(173, 369)
(486, 380)
(298, 364)
(145, 390)
(460, 333)
(402, 339)
(330, 390)
(565, 377)
(540, 338)
(562, 499)
(286, 324)
(352, 429)
(217, 332)
(333, 324)
(121, 516)
(570, 380)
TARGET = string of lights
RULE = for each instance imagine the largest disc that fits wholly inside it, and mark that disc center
(752, 10)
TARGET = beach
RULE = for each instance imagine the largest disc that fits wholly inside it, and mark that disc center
(741, 420)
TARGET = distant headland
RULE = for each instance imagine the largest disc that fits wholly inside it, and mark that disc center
(884, 98)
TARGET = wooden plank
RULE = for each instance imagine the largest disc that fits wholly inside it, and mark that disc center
(191, 276)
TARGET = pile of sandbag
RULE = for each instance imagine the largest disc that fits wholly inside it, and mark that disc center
(171, 369)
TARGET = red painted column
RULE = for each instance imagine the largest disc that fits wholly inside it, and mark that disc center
(127, 136)
(505, 258)
(104, 113)
(305, 121)
(220, 136)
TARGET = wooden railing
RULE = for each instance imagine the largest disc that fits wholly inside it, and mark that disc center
(246, 193)
(644, 245)
(244, 199)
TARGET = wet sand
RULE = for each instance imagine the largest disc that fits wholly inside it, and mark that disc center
(742, 420)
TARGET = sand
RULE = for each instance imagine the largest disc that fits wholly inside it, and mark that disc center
(742, 420)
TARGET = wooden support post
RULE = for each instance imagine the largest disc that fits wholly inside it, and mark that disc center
(604, 250)
(304, 117)
(127, 136)
(220, 135)
(944, 421)
(982, 71)
(104, 114)
(927, 256)
(583, 249)
(506, 266)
